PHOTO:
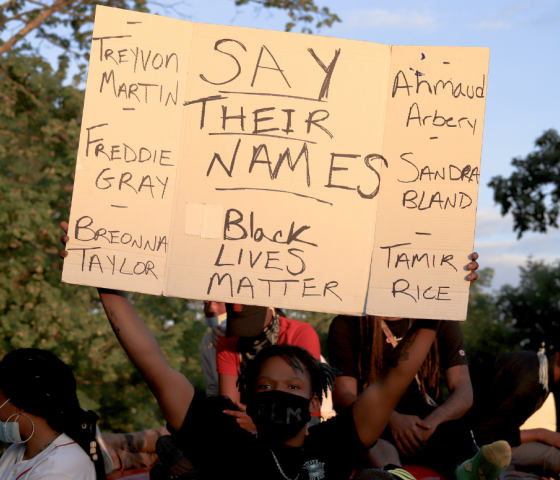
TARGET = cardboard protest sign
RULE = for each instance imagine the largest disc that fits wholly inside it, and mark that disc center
(425, 221)
(277, 169)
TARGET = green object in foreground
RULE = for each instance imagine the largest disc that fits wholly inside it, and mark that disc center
(487, 464)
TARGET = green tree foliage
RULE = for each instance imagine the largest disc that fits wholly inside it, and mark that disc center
(514, 318)
(532, 192)
(300, 12)
(68, 24)
(533, 307)
(486, 334)
(39, 130)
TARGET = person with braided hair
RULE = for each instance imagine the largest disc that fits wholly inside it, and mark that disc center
(53, 437)
(281, 396)
(423, 429)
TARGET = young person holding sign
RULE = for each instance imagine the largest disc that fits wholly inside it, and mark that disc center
(249, 330)
(284, 385)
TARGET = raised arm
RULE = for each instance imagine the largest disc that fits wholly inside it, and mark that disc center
(374, 406)
(172, 390)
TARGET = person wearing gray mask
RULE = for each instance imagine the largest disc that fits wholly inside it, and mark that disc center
(52, 436)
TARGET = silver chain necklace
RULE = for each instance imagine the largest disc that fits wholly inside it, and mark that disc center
(280, 468)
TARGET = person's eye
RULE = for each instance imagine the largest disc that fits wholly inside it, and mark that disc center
(293, 387)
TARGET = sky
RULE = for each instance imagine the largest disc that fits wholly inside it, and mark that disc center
(523, 99)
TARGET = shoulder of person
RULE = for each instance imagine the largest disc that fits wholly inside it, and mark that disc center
(449, 328)
(297, 328)
(344, 322)
(517, 359)
(349, 319)
(292, 323)
(227, 344)
(66, 460)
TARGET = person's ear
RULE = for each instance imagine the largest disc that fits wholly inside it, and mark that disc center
(314, 405)
(557, 358)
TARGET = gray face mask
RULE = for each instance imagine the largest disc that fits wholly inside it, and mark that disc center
(9, 431)
(213, 322)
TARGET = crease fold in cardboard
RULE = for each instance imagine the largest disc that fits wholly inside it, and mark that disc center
(280, 169)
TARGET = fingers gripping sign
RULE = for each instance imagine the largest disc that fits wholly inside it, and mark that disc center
(64, 239)
(472, 267)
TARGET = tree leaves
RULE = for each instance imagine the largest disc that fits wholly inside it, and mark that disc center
(38, 144)
(533, 307)
(40, 120)
(60, 16)
(515, 318)
(300, 11)
(532, 192)
(68, 24)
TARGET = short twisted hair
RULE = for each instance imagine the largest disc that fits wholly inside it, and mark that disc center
(321, 375)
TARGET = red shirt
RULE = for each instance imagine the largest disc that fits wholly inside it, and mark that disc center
(292, 332)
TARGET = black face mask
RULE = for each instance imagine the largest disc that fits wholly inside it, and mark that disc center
(278, 415)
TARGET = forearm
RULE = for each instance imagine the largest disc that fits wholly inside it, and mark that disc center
(135, 337)
(172, 390)
(374, 406)
(136, 442)
(458, 403)
(542, 435)
(532, 435)
(123, 460)
(460, 400)
(342, 400)
(407, 358)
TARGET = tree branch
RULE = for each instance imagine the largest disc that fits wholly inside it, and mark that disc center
(5, 5)
(19, 16)
(48, 39)
(58, 5)
(7, 99)
(19, 86)
(73, 14)
(38, 3)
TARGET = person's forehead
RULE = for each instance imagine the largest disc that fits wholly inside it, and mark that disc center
(277, 367)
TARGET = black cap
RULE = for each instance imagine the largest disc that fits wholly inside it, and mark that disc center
(245, 320)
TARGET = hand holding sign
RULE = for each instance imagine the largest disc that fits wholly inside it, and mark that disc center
(267, 168)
